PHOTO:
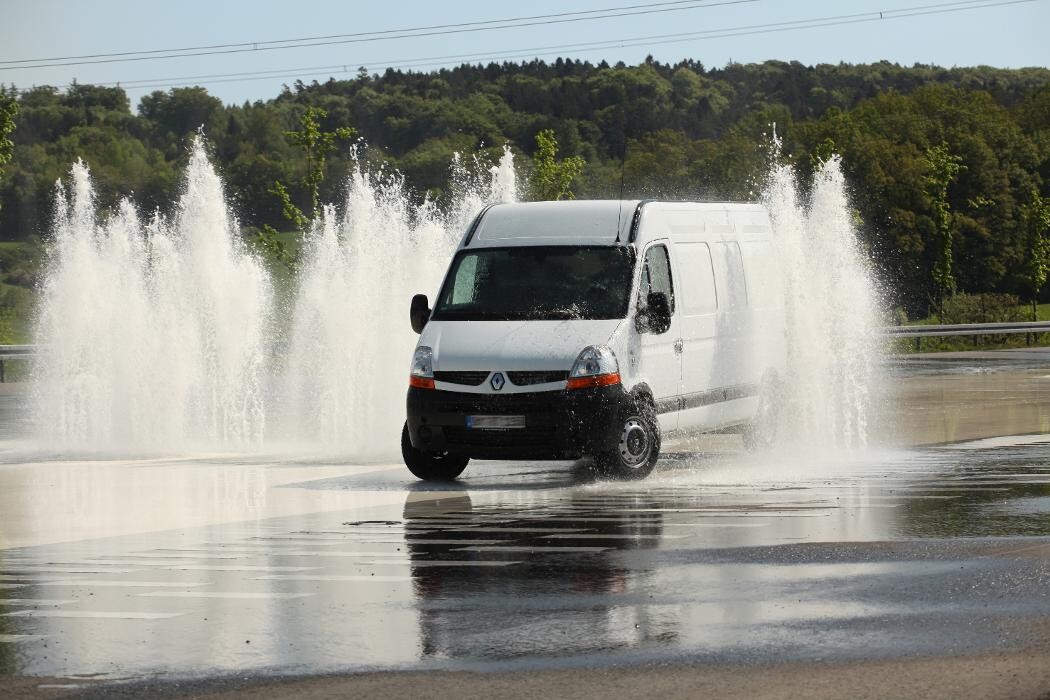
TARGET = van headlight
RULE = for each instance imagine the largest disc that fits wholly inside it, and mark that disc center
(595, 366)
(421, 376)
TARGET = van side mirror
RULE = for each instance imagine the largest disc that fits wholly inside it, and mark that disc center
(419, 312)
(659, 312)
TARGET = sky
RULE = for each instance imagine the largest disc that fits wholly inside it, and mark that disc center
(1007, 33)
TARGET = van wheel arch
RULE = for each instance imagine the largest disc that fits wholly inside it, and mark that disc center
(642, 395)
(642, 399)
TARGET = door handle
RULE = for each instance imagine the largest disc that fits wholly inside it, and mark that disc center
(678, 346)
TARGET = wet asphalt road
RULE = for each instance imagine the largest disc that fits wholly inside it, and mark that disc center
(220, 566)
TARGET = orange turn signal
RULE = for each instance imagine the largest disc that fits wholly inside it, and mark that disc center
(420, 382)
(593, 381)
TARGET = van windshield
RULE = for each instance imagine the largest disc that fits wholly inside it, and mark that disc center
(537, 283)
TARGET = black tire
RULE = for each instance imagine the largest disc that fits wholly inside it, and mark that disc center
(429, 466)
(634, 457)
(761, 433)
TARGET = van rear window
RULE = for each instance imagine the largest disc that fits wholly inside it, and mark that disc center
(537, 283)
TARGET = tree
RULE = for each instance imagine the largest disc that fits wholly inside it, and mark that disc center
(552, 178)
(1035, 217)
(316, 145)
(692, 132)
(8, 112)
(943, 168)
(181, 111)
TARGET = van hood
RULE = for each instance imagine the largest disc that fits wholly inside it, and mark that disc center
(512, 345)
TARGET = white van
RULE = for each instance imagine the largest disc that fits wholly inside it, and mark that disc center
(595, 329)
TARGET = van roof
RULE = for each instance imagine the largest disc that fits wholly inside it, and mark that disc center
(593, 222)
(575, 222)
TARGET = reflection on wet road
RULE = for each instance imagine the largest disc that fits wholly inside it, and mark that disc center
(690, 565)
(228, 564)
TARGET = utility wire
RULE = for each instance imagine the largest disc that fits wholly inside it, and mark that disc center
(358, 34)
(651, 40)
(368, 37)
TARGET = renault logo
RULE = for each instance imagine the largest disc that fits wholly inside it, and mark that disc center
(497, 381)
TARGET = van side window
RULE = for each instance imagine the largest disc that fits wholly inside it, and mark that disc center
(729, 271)
(761, 266)
(656, 274)
(697, 278)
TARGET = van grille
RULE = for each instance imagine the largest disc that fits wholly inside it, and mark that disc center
(473, 378)
(530, 378)
(541, 402)
(463, 378)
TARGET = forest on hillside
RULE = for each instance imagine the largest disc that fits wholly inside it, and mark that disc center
(679, 130)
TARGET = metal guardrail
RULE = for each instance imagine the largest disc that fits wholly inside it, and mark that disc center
(21, 352)
(13, 352)
(969, 329)
(9, 351)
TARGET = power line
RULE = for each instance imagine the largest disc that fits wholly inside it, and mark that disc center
(368, 37)
(356, 34)
(536, 52)
(658, 39)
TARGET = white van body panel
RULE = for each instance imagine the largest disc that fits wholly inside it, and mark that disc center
(731, 329)
(700, 327)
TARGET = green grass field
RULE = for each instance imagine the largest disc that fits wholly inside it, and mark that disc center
(15, 314)
(16, 301)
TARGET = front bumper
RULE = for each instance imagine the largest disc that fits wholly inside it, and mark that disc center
(558, 424)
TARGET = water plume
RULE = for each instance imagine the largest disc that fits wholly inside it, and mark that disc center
(832, 341)
(151, 335)
(351, 341)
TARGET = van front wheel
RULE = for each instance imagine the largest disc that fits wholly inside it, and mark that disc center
(635, 455)
(429, 466)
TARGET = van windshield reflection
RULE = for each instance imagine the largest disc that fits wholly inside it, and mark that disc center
(537, 283)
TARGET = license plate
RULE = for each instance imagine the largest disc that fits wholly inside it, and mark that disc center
(495, 422)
